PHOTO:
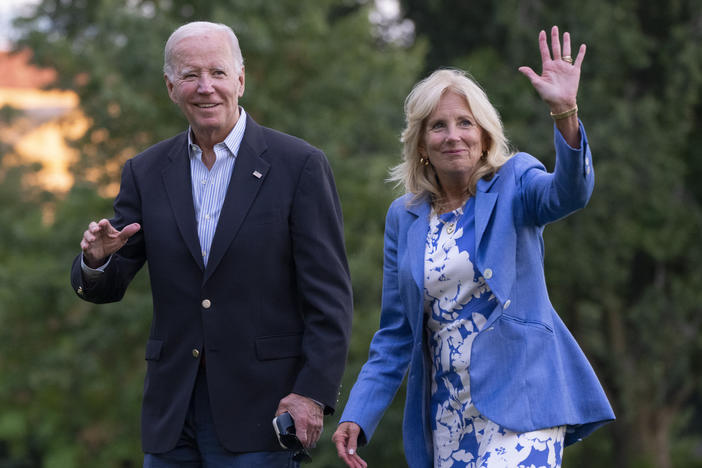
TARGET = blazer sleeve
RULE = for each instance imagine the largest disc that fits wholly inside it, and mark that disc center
(323, 281)
(547, 197)
(390, 349)
(126, 262)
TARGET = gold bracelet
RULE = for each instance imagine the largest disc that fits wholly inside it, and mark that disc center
(565, 114)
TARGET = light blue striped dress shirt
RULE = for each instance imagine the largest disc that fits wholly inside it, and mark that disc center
(209, 188)
(210, 185)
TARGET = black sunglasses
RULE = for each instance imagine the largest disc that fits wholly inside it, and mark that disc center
(285, 431)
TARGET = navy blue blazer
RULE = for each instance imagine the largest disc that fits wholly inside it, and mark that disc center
(272, 309)
(526, 371)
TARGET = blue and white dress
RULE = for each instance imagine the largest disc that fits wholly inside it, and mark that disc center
(457, 302)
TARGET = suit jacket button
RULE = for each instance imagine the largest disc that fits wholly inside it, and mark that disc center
(80, 290)
(206, 303)
(196, 353)
(487, 274)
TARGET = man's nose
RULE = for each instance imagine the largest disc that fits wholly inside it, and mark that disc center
(204, 84)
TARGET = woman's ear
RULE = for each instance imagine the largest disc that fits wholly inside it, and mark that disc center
(487, 142)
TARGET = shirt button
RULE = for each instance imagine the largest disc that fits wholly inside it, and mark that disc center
(196, 353)
(507, 304)
(207, 216)
(587, 170)
(206, 303)
(487, 274)
(204, 253)
(203, 181)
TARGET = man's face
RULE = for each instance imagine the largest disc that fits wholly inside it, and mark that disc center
(206, 85)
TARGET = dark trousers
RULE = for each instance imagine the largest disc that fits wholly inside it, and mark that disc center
(199, 447)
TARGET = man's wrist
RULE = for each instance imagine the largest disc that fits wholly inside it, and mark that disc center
(92, 273)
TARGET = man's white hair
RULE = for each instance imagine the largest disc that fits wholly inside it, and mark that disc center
(197, 28)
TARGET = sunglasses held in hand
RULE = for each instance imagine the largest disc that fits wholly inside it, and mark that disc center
(284, 426)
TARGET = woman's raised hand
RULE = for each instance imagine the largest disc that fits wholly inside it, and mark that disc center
(560, 72)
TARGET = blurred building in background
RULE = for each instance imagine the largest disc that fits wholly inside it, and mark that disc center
(36, 124)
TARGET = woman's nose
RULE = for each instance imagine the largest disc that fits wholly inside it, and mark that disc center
(452, 133)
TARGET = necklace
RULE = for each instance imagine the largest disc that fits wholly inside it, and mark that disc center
(451, 225)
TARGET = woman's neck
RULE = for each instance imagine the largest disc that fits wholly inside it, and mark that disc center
(450, 201)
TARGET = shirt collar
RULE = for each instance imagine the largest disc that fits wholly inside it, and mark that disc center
(232, 141)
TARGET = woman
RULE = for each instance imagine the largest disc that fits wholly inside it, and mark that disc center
(495, 378)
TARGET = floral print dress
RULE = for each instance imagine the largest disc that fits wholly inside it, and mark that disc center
(457, 302)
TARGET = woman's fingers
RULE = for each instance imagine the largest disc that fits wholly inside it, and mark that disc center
(566, 44)
(543, 47)
(555, 43)
(581, 56)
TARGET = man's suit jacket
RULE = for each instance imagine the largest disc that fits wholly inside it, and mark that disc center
(526, 370)
(272, 308)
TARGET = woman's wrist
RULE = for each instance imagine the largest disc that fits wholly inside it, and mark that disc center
(564, 114)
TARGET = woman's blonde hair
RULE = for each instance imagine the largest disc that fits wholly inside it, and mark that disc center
(420, 179)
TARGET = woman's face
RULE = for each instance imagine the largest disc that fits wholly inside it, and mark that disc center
(452, 139)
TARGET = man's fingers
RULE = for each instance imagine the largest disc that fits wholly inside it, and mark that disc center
(129, 231)
(301, 433)
(307, 415)
(88, 236)
(314, 436)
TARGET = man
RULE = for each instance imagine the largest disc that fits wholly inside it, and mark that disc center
(242, 230)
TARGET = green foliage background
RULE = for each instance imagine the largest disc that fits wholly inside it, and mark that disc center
(624, 273)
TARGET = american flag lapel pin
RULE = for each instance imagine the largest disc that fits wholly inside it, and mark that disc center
(257, 174)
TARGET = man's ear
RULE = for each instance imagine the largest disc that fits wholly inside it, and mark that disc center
(242, 81)
(169, 86)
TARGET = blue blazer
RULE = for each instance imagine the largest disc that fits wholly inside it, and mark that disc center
(272, 308)
(526, 372)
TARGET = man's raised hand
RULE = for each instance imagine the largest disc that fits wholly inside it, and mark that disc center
(101, 240)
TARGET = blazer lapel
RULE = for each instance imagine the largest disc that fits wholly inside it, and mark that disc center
(247, 177)
(484, 204)
(178, 183)
(416, 239)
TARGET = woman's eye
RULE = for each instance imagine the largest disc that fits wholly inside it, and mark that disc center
(437, 125)
(466, 123)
